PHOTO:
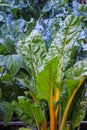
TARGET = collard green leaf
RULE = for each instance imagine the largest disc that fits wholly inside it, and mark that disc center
(6, 110)
(9, 44)
(14, 63)
(3, 60)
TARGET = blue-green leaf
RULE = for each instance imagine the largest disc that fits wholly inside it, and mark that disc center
(14, 63)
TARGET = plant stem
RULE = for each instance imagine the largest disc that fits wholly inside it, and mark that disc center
(35, 120)
(33, 96)
(58, 91)
(52, 112)
(57, 109)
(69, 103)
(44, 125)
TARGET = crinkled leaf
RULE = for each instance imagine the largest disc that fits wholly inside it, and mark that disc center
(78, 110)
(22, 116)
(24, 78)
(78, 115)
(63, 98)
(6, 110)
(67, 89)
(79, 69)
(30, 109)
(64, 45)
(9, 44)
(33, 50)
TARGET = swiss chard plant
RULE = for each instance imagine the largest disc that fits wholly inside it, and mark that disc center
(52, 78)
(57, 82)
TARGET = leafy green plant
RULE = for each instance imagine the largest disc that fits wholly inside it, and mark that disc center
(58, 79)
(52, 81)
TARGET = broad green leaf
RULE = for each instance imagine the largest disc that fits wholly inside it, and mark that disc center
(24, 78)
(63, 40)
(6, 110)
(22, 116)
(30, 109)
(7, 78)
(45, 78)
(78, 110)
(9, 44)
(64, 45)
(78, 70)
(2, 49)
(14, 63)
(63, 98)
(71, 85)
(71, 99)
(67, 89)
(78, 116)
(33, 50)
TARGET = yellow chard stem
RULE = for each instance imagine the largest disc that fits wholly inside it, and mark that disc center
(69, 104)
(57, 90)
(43, 123)
(52, 112)
(57, 99)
